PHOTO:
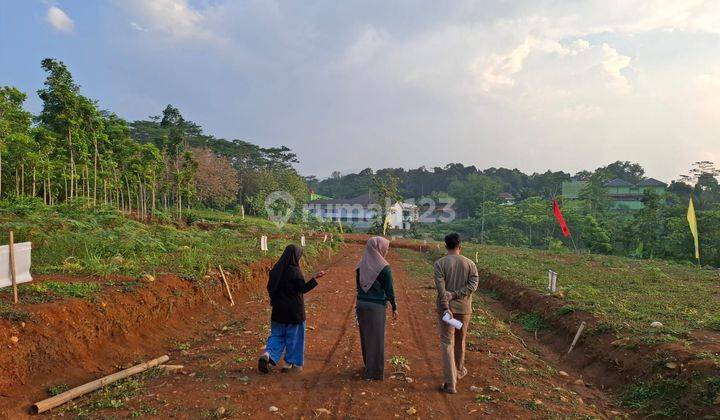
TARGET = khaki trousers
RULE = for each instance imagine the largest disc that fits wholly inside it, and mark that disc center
(452, 347)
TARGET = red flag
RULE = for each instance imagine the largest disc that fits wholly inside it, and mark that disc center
(560, 218)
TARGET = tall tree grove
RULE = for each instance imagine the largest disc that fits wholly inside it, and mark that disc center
(73, 151)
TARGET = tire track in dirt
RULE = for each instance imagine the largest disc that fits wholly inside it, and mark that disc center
(322, 378)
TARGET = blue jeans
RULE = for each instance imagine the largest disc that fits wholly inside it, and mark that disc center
(288, 339)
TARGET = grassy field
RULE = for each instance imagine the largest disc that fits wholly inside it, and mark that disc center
(626, 294)
(72, 240)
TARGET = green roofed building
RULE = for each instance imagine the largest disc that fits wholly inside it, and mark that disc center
(623, 194)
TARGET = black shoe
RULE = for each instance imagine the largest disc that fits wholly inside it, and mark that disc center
(264, 364)
(446, 389)
(369, 377)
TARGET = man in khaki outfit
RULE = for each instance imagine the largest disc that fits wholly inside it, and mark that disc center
(456, 278)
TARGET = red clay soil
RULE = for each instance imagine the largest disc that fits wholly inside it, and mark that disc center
(220, 377)
(74, 340)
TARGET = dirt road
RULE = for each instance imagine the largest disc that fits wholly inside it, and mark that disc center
(220, 379)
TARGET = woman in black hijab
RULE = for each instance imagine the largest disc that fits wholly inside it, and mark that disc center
(286, 287)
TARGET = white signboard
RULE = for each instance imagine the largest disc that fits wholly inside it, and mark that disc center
(302, 241)
(22, 264)
(263, 243)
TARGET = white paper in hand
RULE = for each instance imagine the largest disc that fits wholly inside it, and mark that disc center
(447, 318)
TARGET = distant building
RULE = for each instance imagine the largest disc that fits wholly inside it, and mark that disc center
(506, 199)
(362, 211)
(623, 194)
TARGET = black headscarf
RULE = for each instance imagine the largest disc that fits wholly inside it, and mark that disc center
(285, 268)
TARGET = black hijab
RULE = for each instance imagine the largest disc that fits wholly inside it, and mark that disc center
(285, 268)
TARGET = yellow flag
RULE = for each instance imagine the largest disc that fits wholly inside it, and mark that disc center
(385, 225)
(693, 228)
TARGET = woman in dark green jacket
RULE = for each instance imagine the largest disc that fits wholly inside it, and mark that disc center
(374, 289)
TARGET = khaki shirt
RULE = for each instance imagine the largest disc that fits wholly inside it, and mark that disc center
(456, 273)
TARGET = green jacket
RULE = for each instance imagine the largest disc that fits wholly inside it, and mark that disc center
(381, 291)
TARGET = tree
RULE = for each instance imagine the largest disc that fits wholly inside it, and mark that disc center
(646, 228)
(702, 178)
(473, 192)
(78, 151)
(14, 122)
(263, 182)
(594, 194)
(627, 171)
(216, 181)
(535, 215)
(61, 112)
(387, 190)
(680, 189)
(594, 237)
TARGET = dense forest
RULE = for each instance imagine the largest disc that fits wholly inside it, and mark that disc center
(74, 151)
(416, 183)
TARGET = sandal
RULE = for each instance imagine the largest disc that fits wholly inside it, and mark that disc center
(292, 369)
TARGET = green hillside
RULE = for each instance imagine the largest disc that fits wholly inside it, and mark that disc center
(75, 240)
(626, 294)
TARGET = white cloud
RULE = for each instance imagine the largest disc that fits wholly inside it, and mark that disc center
(614, 63)
(136, 26)
(580, 45)
(502, 67)
(503, 70)
(174, 19)
(60, 20)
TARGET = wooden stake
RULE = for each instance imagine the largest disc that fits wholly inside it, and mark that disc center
(171, 368)
(13, 274)
(66, 396)
(227, 286)
(577, 336)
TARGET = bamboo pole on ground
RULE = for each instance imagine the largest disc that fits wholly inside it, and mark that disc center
(577, 336)
(50, 403)
(227, 286)
(13, 274)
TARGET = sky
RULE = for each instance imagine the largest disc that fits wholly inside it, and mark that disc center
(527, 84)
